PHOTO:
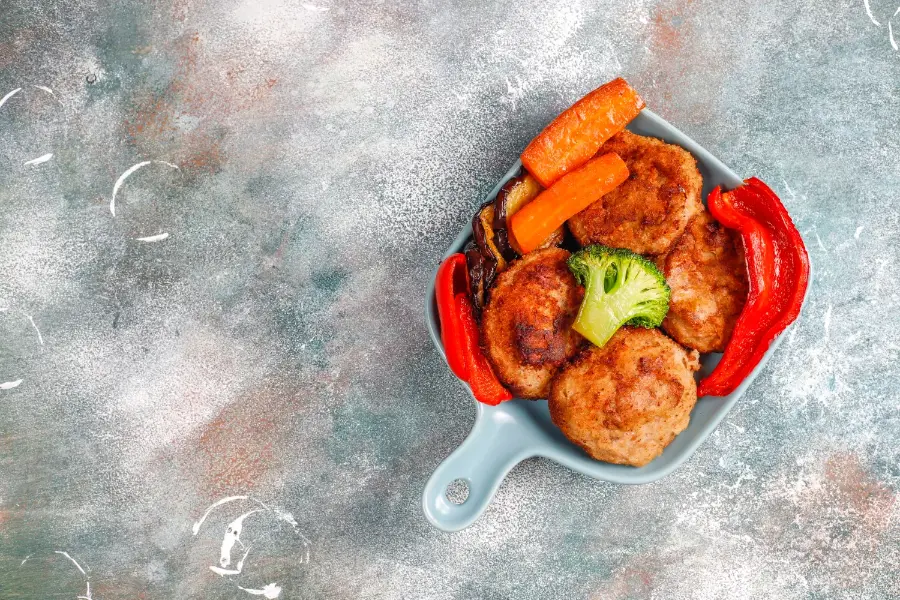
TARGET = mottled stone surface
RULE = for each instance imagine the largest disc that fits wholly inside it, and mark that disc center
(274, 344)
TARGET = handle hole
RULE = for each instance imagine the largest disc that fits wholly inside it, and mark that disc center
(457, 491)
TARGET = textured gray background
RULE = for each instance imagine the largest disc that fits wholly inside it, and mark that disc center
(274, 344)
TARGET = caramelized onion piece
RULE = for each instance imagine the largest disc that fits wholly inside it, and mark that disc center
(517, 192)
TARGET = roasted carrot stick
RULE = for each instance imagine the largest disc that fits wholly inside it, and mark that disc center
(574, 137)
(564, 199)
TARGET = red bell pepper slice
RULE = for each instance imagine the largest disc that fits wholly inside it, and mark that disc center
(452, 279)
(459, 333)
(485, 386)
(778, 275)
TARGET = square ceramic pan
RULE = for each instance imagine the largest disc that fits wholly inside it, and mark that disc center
(506, 434)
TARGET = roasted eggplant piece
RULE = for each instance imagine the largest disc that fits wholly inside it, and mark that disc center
(512, 197)
(483, 232)
(493, 248)
(482, 271)
(517, 192)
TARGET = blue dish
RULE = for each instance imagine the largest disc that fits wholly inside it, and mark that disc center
(506, 434)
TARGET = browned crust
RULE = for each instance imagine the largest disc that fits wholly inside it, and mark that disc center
(526, 328)
(708, 277)
(625, 402)
(651, 209)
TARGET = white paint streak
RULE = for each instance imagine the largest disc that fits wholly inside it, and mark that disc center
(44, 88)
(891, 37)
(8, 385)
(74, 562)
(236, 570)
(39, 159)
(514, 93)
(121, 180)
(314, 8)
(819, 241)
(38, 331)
(869, 12)
(738, 427)
(212, 507)
(153, 238)
(87, 583)
(290, 520)
(858, 231)
(792, 337)
(788, 188)
(87, 595)
(240, 563)
(8, 96)
(270, 591)
(232, 537)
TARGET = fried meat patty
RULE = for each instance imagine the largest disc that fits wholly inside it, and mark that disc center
(526, 327)
(708, 277)
(625, 402)
(651, 209)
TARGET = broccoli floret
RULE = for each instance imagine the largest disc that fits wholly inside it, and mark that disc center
(621, 288)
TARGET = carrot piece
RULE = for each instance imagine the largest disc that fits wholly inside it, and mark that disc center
(574, 137)
(566, 198)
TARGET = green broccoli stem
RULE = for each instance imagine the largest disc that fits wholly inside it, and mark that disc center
(602, 313)
(621, 288)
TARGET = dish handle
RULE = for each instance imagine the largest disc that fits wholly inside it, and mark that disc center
(499, 441)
